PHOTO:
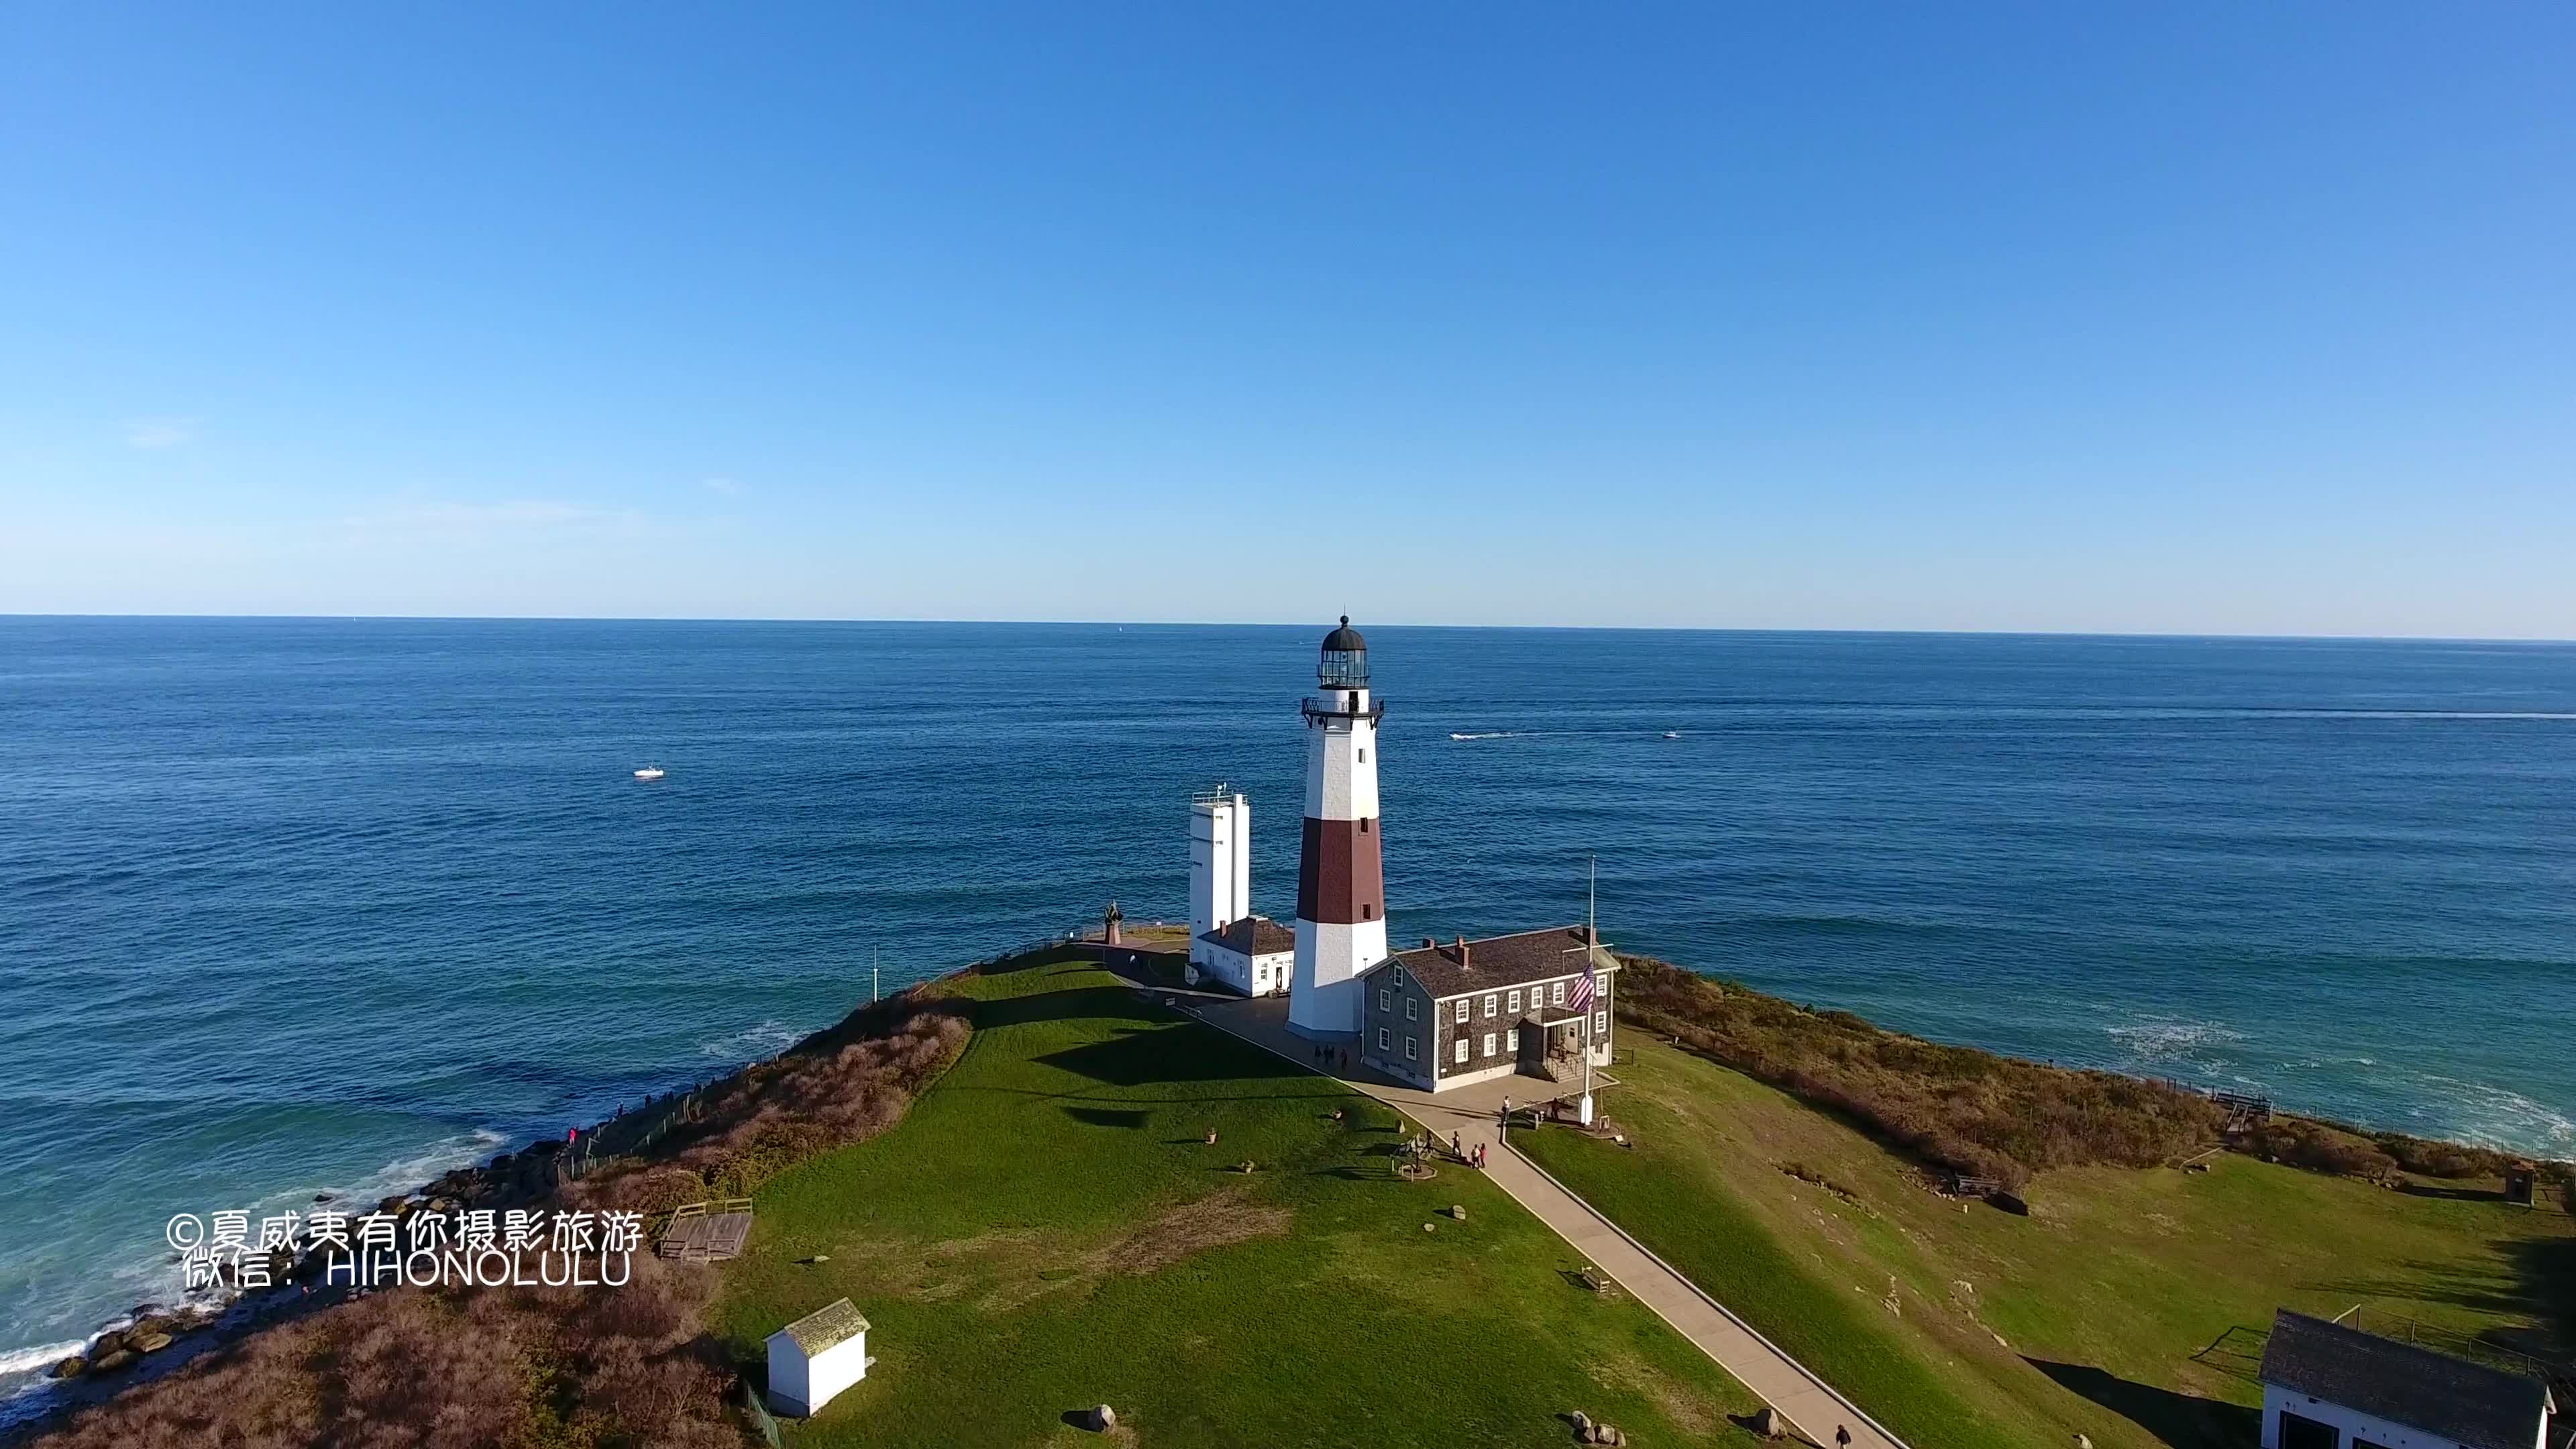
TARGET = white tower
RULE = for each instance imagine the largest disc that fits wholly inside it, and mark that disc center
(1341, 878)
(1220, 861)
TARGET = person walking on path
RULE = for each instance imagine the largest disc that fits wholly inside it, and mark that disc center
(1842, 1436)
(1455, 1149)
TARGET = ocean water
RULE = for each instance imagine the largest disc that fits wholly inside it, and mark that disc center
(292, 906)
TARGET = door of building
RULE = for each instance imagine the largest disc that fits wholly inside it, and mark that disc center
(2301, 1432)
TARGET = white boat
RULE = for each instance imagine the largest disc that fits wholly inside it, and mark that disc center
(1672, 734)
(650, 772)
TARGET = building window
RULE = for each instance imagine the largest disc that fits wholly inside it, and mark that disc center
(1363, 755)
(1600, 1021)
(1408, 1049)
(1385, 999)
(1462, 1051)
(1556, 994)
(1516, 1003)
(1396, 975)
(1384, 1038)
(1489, 1044)
(1364, 825)
(1512, 1041)
(1411, 1007)
(1368, 913)
(1489, 1004)
(1462, 1009)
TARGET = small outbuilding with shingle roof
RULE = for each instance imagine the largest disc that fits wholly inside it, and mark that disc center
(2329, 1386)
(817, 1356)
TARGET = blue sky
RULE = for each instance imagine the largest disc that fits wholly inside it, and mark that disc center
(2175, 317)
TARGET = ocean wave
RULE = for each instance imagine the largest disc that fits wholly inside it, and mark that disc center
(2174, 1040)
(753, 1042)
(43, 1355)
(155, 1277)
(1488, 735)
(2484, 1115)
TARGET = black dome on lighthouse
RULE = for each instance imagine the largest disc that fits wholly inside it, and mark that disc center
(1344, 664)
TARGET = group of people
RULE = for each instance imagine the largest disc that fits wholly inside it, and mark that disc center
(1474, 1157)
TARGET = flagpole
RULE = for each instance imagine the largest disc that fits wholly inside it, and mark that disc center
(1591, 943)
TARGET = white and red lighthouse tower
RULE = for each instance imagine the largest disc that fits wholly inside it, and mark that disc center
(1341, 880)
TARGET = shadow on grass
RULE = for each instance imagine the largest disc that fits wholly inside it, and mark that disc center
(2237, 1353)
(2536, 1282)
(1144, 1058)
(2179, 1420)
(1107, 1117)
(1075, 956)
(2453, 1194)
(1081, 1003)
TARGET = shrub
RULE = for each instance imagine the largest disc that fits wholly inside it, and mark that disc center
(2322, 1148)
(2441, 1159)
(1958, 1108)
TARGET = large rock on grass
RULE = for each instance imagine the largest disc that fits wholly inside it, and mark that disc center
(1100, 1418)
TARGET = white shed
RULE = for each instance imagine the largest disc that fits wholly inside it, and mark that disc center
(816, 1357)
(2327, 1386)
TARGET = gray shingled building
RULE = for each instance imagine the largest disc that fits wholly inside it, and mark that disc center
(1442, 1016)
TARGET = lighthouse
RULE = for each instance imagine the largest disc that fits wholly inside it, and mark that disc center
(1341, 890)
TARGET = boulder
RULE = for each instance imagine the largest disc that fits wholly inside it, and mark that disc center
(110, 1363)
(70, 1368)
(1604, 1434)
(106, 1343)
(1581, 1421)
(1457, 1212)
(1101, 1419)
(1769, 1424)
(150, 1342)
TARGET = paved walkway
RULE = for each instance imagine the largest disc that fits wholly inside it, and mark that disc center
(1471, 1111)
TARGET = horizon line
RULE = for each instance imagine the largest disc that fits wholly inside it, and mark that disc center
(2139, 634)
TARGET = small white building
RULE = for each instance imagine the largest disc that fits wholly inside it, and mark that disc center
(817, 1356)
(1254, 955)
(2328, 1386)
(1230, 945)
(1220, 860)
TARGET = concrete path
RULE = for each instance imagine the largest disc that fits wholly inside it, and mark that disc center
(1807, 1401)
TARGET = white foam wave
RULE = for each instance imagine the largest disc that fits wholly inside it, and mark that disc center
(1487, 734)
(766, 1039)
(2491, 1116)
(2173, 1039)
(43, 1355)
(159, 1278)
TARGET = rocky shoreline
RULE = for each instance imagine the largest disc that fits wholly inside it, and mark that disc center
(154, 1339)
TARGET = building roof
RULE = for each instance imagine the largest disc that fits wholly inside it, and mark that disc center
(1498, 962)
(2450, 1398)
(1252, 936)
(1345, 638)
(829, 1326)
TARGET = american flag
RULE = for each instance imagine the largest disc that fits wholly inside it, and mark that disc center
(1583, 989)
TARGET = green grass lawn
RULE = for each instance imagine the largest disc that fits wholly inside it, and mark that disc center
(2128, 1306)
(1048, 1229)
